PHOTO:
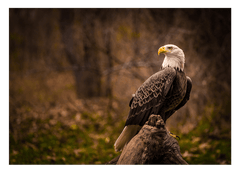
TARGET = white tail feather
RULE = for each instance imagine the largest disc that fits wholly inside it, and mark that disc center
(126, 135)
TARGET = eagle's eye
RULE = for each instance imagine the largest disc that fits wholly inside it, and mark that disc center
(170, 47)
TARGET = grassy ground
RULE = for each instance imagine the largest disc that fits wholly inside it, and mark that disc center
(65, 135)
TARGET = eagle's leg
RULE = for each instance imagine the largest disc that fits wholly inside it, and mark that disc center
(165, 116)
(162, 114)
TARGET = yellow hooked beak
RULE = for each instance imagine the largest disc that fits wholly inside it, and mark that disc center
(162, 50)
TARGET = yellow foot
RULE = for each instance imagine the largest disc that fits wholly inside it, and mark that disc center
(175, 136)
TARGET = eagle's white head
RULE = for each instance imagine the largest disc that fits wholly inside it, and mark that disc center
(174, 56)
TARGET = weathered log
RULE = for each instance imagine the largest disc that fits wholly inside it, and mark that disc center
(152, 145)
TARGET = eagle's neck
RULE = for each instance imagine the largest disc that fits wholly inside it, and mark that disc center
(177, 62)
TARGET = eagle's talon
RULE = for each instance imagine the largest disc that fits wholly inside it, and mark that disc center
(174, 136)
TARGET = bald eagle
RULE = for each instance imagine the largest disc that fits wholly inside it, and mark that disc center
(162, 94)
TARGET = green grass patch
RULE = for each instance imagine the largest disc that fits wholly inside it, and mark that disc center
(61, 144)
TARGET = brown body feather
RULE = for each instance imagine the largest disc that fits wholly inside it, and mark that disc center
(160, 93)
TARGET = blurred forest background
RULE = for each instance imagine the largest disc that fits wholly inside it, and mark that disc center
(73, 72)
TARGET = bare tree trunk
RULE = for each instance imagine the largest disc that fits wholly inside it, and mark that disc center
(110, 65)
(87, 74)
(107, 17)
(152, 145)
(92, 75)
(136, 33)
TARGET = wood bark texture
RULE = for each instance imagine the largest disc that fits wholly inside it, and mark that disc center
(152, 145)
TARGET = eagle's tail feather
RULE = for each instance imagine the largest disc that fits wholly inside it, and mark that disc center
(126, 135)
